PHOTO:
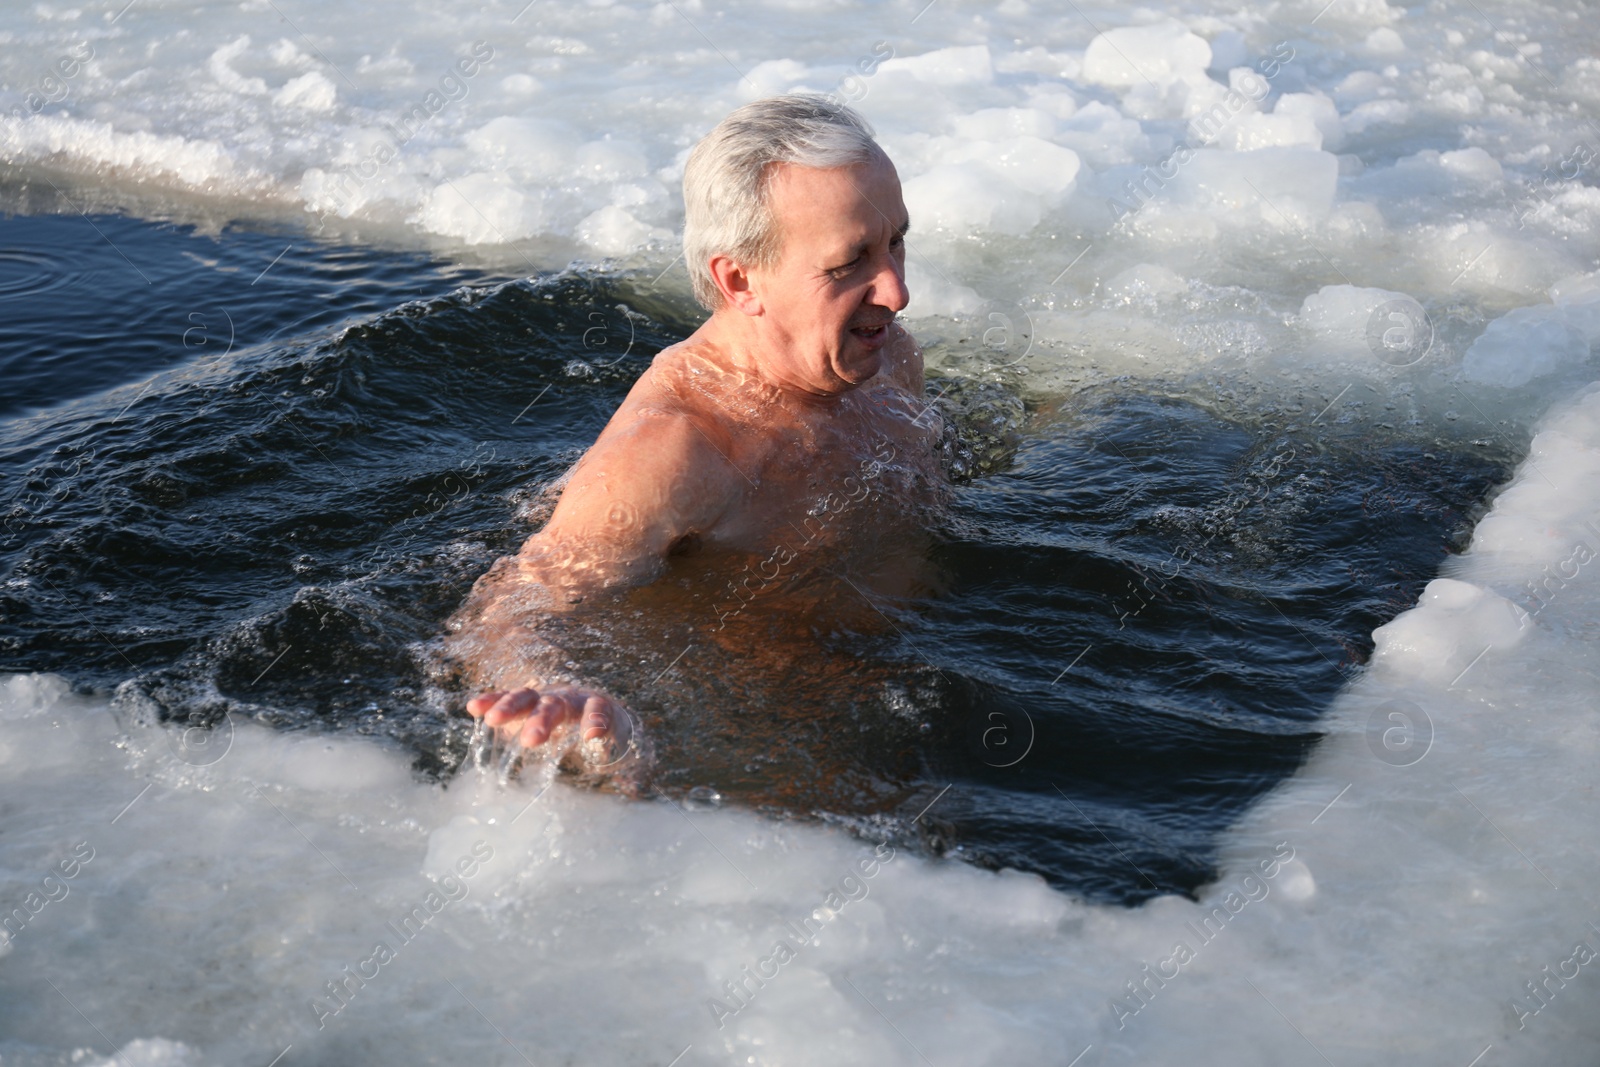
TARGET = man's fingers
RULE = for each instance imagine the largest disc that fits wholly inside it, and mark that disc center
(597, 718)
(535, 732)
(551, 710)
(511, 706)
(531, 717)
(480, 704)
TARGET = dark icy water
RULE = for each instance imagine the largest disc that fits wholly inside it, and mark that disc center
(253, 473)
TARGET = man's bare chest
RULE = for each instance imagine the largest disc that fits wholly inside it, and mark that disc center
(870, 466)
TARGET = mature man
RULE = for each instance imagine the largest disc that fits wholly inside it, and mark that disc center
(791, 424)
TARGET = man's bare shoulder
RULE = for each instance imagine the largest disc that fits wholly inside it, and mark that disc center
(655, 437)
(663, 454)
(678, 387)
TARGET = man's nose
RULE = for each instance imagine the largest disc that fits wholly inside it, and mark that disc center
(889, 287)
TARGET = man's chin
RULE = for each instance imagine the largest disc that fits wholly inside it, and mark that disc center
(857, 365)
(860, 358)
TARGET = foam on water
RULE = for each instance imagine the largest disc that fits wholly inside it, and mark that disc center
(1373, 213)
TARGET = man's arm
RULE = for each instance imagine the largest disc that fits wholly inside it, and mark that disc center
(654, 478)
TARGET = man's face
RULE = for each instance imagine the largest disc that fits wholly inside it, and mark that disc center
(839, 281)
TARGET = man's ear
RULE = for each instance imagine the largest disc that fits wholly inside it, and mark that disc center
(733, 281)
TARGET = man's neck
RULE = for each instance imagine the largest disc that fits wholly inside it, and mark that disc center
(737, 345)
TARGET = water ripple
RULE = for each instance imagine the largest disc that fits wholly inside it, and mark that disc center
(24, 274)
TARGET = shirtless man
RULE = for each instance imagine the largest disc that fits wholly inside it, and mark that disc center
(794, 237)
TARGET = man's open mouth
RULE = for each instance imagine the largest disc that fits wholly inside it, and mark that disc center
(872, 334)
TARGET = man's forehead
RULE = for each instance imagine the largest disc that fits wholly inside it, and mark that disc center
(810, 198)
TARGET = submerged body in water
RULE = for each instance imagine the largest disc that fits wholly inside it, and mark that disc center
(737, 443)
(824, 511)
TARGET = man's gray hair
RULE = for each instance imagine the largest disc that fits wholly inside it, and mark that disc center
(727, 178)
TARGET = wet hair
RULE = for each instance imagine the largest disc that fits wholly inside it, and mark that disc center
(726, 182)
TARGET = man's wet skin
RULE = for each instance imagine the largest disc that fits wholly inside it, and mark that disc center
(787, 436)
